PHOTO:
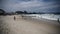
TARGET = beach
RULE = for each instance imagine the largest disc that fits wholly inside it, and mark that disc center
(27, 25)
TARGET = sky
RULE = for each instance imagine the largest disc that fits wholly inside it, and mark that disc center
(46, 6)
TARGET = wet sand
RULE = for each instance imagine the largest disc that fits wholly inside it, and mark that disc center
(27, 26)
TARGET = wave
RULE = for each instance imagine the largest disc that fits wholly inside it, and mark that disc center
(45, 16)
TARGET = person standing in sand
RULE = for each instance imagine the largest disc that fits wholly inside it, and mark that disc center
(14, 18)
(58, 20)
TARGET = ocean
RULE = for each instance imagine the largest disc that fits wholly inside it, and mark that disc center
(45, 16)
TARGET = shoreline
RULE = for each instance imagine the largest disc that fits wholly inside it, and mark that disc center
(54, 22)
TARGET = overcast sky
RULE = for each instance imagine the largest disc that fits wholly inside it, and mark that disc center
(46, 6)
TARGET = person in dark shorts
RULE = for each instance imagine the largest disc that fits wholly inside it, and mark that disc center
(58, 20)
(14, 18)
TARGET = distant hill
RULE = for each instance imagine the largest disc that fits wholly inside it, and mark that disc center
(2, 12)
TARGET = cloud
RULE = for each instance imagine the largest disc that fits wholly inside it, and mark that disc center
(29, 5)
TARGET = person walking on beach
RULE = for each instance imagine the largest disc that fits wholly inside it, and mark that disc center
(58, 20)
(14, 18)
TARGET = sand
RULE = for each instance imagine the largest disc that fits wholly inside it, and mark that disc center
(27, 26)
